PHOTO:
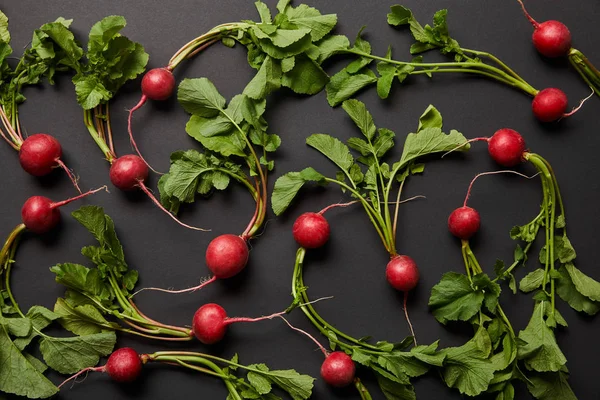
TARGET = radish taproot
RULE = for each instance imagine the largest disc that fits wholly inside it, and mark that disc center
(211, 321)
(464, 222)
(40, 153)
(552, 39)
(40, 214)
(311, 230)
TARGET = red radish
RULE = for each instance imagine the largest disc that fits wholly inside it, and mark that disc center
(226, 256)
(123, 365)
(311, 230)
(506, 147)
(550, 38)
(338, 369)
(39, 154)
(464, 222)
(210, 322)
(550, 105)
(129, 172)
(157, 84)
(402, 273)
(40, 214)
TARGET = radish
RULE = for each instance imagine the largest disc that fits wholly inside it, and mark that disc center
(123, 365)
(311, 230)
(157, 84)
(551, 38)
(464, 222)
(40, 214)
(403, 275)
(338, 369)
(211, 321)
(550, 105)
(226, 256)
(129, 172)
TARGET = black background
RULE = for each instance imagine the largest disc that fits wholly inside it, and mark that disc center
(351, 267)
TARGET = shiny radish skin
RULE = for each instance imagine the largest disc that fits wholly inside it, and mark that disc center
(208, 324)
(158, 84)
(550, 105)
(311, 230)
(39, 154)
(507, 147)
(338, 369)
(402, 273)
(126, 172)
(464, 222)
(552, 39)
(124, 365)
(39, 214)
(227, 255)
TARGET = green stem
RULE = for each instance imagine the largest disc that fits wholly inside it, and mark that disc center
(307, 308)
(373, 215)
(497, 61)
(215, 33)
(88, 120)
(586, 69)
(472, 67)
(362, 390)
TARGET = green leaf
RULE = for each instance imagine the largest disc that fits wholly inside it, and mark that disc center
(332, 45)
(83, 280)
(538, 347)
(200, 97)
(564, 249)
(361, 357)
(333, 149)
(394, 390)
(298, 386)
(567, 291)
(343, 85)
(38, 317)
(259, 382)
(288, 185)
(18, 376)
(399, 16)
(429, 354)
(263, 11)
(266, 80)
(71, 354)
(532, 281)
(307, 76)
(387, 74)
(103, 31)
(91, 92)
(4, 33)
(361, 117)
(81, 320)
(429, 141)
(310, 18)
(550, 386)
(583, 283)
(226, 145)
(467, 367)
(453, 299)
(431, 118)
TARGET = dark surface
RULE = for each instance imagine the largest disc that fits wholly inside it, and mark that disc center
(351, 266)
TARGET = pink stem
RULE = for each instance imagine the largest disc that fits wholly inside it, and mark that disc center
(573, 111)
(131, 139)
(204, 46)
(337, 205)
(229, 321)
(154, 322)
(192, 289)
(323, 350)
(412, 332)
(477, 139)
(83, 371)
(157, 203)
(14, 146)
(504, 171)
(70, 174)
(65, 202)
(246, 234)
(529, 17)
